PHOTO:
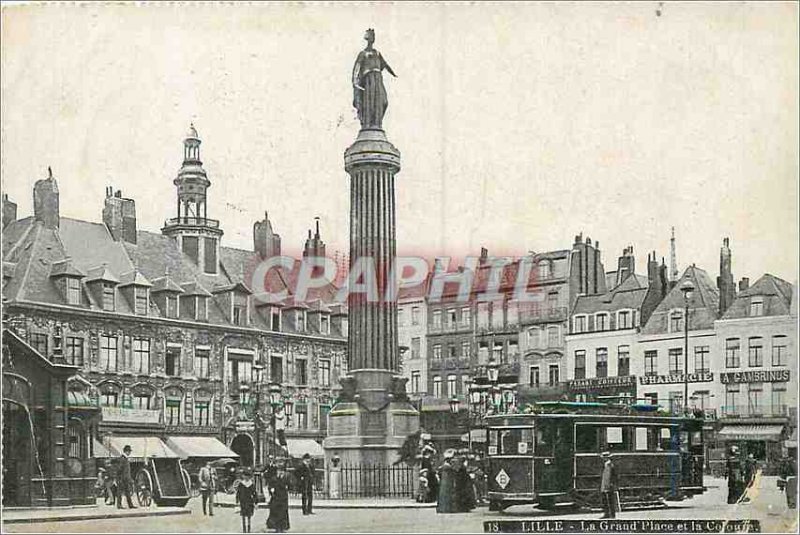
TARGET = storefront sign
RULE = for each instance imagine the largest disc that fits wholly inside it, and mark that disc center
(131, 416)
(771, 376)
(602, 382)
(676, 379)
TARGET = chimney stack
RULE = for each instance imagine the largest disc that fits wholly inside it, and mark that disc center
(266, 243)
(484, 256)
(725, 281)
(45, 201)
(626, 265)
(744, 284)
(314, 245)
(119, 215)
(9, 211)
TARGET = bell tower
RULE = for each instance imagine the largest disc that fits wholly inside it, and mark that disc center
(196, 235)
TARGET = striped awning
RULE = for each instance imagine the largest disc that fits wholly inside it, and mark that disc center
(142, 447)
(751, 432)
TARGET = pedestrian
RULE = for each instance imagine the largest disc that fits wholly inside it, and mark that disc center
(465, 492)
(423, 490)
(446, 499)
(124, 479)
(788, 480)
(734, 474)
(750, 468)
(278, 519)
(305, 475)
(479, 480)
(208, 486)
(247, 497)
(110, 483)
(608, 486)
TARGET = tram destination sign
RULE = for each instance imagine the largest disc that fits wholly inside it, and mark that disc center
(676, 378)
(603, 382)
(756, 376)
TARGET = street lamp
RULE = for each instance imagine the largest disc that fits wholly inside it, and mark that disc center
(244, 394)
(454, 403)
(257, 371)
(493, 371)
(274, 391)
(687, 288)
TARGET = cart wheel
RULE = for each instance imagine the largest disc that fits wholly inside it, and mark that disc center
(144, 488)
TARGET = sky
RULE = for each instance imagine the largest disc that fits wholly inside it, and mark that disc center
(520, 125)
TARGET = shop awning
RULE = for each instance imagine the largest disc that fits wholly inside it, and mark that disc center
(478, 435)
(81, 400)
(300, 446)
(207, 447)
(141, 447)
(792, 442)
(100, 451)
(751, 432)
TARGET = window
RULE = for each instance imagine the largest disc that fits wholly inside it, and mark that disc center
(623, 361)
(512, 313)
(756, 306)
(437, 387)
(141, 356)
(276, 369)
(465, 316)
(201, 361)
(534, 376)
(552, 379)
(580, 364)
(302, 378)
(302, 417)
(140, 301)
(587, 438)
(172, 361)
(732, 353)
(108, 352)
(415, 377)
(451, 350)
(465, 382)
(173, 416)
(700, 399)
(452, 319)
(324, 324)
(701, 359)
(73, 291)
(618, 439)
(601, 322)
(544, 269)
(300, 320)
(108, 296)
(437, 351)
(202, 416)
(483, 352)
(497, 314)
(109, 398)
(755, 395)
(675, 361)
(552, 300)
(779, 353)
(38, 341)
(201, 309)
(676, 321)
(731, 399)
(210, 255)
(651, 363)
(275, 319)
(778, 399)
(642, 439)
(451, 385)
(415, 348)
(465, 347)
(624, 319)
(437, 319)
(142, 401)
(172, 306)
(401, 317)
(325, 372)
(579, 324)
(497, 352)
(512, 348)
(553, 338)
(483, 314)
(74, 350)
(415, 316)
(602, 362)
(756, 352)
(240, 368)
(239, 313)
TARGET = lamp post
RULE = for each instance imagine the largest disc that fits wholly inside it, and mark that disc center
(274, 402)
(257, 369)
(474, 408)
(687, 288)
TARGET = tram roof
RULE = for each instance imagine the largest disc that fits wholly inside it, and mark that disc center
(595, 409)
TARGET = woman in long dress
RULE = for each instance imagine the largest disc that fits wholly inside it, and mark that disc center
(369, 94)
(278, 519)
(447, 486)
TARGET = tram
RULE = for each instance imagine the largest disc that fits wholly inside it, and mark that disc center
(552, 455)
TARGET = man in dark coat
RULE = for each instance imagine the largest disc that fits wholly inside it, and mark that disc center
(608, 486)
(305, 475)
(734, 473)
(124, 479)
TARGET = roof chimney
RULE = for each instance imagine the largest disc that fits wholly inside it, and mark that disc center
(744, 284)
(725, 281)
(9, 211)
(266, 243)
(484, 256)
(119, 215)
(45, 201)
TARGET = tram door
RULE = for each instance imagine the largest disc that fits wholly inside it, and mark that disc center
(553, 453)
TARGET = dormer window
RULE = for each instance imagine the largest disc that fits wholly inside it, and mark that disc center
(300, 320)
(109, 297)
(275, 319)
(544, 269)
(601, 322)
(756, 306)
(171, 306)
(676, 321)
(239, 304)
(625, 319)
(324, 324)
(141, 300)
(73, 291)
(136, 289)
(201, 308)
(579, 324)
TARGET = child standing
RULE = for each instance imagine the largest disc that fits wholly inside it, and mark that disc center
(246, 496)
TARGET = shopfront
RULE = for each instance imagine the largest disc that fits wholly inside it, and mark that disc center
(603, 389)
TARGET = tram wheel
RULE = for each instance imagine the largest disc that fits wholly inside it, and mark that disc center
(548, 504)
(495, 506)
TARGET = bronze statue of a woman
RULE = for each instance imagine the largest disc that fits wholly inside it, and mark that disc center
(369, 94)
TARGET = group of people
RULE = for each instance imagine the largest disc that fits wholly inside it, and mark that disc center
(115, 481)
(740, 472)
(459, 485)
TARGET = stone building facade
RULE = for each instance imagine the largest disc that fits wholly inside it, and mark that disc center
(165, 328)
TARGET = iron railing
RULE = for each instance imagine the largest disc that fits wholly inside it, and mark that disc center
(376, 481)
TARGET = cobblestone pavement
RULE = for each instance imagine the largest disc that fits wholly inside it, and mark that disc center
(768, 505)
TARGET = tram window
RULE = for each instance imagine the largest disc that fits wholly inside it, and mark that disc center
(586, 439)
(492, 442)
(697, 438)
(617, 439)
(545, 441)
(642, 442)
(670, 440)
(525, 444)
(684, 441)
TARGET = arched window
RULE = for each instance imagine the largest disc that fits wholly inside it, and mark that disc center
(553, 336)
(110, 394)
(143, 397)
(174, 403)
(203, 408)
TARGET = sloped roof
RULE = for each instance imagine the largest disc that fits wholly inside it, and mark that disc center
(165, 284)
(703, 305)
(65, 268)
(101, 273)
(134, 278)
(194, 288)
(91, 245)
(776, 293)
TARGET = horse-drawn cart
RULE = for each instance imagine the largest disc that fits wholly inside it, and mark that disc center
(157, 473)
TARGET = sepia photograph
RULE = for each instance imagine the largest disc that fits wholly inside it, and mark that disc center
(386, 267)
